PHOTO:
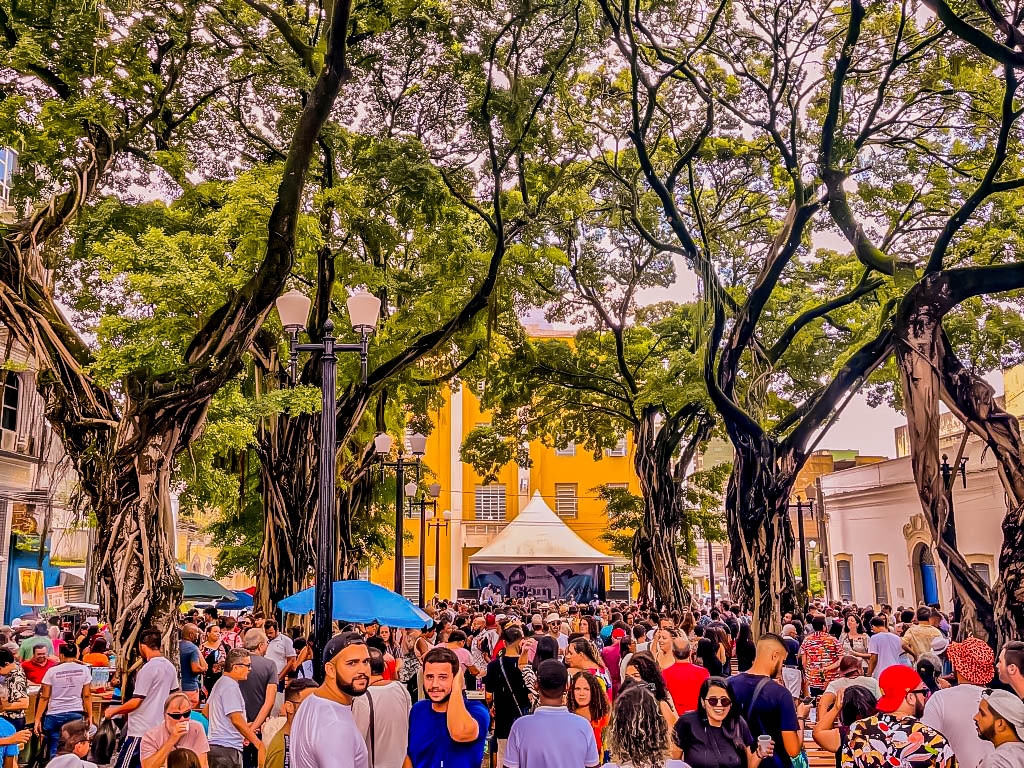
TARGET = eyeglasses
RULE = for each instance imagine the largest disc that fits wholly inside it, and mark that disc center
(178, 715)
(716, 701)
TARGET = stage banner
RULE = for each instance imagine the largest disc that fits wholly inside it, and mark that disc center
(575, 581)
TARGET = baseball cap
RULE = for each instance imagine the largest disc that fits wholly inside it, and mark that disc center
(1007, 706)
(896, 682)
(973, 660)
(618, 633)
(340, 642)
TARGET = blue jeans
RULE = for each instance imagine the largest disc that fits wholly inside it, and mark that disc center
(52, 725)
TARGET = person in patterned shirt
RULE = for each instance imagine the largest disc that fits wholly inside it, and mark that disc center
(821, 654)
(896, 736)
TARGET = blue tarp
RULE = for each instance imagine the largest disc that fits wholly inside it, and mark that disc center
(362, 602)
(244, 601)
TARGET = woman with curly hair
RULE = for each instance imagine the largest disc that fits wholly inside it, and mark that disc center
(638, 735)
(643, 669)
(588, 700)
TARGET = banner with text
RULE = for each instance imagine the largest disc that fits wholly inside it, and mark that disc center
(575, 581)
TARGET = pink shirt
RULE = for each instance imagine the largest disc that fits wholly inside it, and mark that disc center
(155, 738)
(464, 657)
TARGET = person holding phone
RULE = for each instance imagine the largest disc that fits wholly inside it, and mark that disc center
(177, 731)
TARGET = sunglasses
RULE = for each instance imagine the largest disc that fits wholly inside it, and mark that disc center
(922, 691)
(178, 715)
(715, 701)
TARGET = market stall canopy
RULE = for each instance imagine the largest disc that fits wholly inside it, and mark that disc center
(538, 536)
(242, 601)
(199, 587)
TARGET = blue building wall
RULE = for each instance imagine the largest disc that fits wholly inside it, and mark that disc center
(20, 558)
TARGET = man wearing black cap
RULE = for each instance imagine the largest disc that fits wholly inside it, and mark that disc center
(552, 735)
(323, 734)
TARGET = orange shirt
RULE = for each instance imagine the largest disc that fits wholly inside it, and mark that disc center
(96, 659)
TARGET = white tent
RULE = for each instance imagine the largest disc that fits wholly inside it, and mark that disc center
(538, 536)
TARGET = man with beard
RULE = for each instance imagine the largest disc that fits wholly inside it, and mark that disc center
(896, 736)
(1000, 720)
(324, 734)
(767, 706)
(446, 729)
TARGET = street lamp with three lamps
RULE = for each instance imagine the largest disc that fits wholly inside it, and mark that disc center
(417, 447)
(364, 312)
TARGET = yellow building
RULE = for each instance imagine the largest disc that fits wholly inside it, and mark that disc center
(567, 480)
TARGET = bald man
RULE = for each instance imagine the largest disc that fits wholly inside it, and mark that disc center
(683, 678)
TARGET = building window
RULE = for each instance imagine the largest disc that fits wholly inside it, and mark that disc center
(490, 502)
(569, 450)
(619, 449)
(844, 575)
(984, 571)
(411, 577)
(12, 387)
(880, 576)
(566, 499)
(8, 165)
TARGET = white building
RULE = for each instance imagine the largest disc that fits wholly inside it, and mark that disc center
(880, 544)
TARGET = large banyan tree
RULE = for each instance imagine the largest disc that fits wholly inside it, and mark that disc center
(897, 132)
(109, 91)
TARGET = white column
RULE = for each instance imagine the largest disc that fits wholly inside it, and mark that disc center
(456, 491)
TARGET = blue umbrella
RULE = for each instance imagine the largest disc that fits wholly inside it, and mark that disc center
(243, 600)
(362, 602)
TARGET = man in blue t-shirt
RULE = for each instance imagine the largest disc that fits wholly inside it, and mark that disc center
(11, 741)
(767, 706)
(192, 663)
(446, 729)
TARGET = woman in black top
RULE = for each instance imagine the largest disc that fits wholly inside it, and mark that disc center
(745, 648)
(716, 735)
(711, 653)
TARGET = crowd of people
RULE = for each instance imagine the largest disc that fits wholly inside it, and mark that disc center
(526, 684)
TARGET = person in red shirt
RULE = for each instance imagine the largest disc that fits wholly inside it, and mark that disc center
(36, 666)
(684, 678)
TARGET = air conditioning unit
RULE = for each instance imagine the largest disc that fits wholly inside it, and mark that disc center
(8, 440)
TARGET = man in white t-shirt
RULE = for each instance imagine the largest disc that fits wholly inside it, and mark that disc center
(145, 709)
(280, 649)
(324, 733)
(388, 738)
(1000, 721)
(946, 711)
(65, 695)
(225, 709)
(884, 646)
(552, 736)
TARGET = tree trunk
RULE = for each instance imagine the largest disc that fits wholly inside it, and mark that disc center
(657, 557)
(972, 399)
(138, 582)
(757, 516)
(919, 353)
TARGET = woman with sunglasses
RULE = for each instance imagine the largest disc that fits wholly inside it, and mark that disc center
(177, 731)
(716, 735)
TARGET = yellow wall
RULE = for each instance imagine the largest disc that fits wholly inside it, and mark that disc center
(547, 470)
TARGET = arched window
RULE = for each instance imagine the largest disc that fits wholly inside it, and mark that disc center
(12, 391)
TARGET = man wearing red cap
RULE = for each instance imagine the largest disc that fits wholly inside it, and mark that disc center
(896, 736)
(974, 664)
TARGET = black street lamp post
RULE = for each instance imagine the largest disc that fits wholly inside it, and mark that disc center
(364, 311)
(437, 522)
(433, 490)
(417, 447)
